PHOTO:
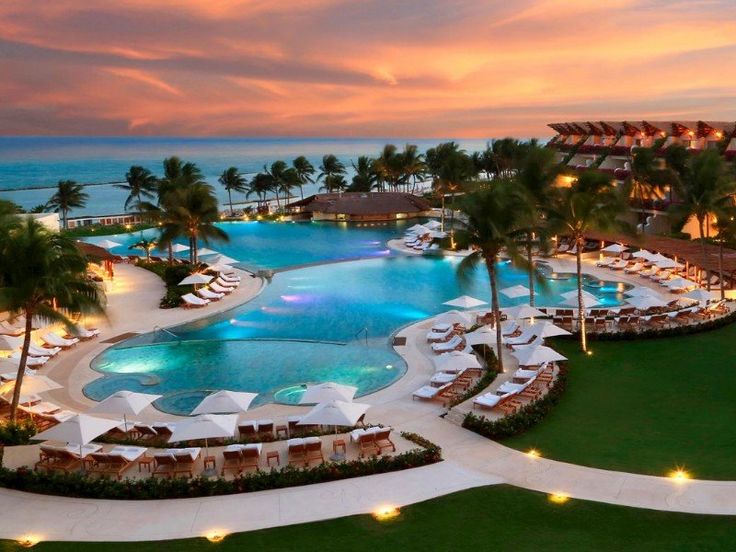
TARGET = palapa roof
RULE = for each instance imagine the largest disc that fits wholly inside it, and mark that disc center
(363, 203)
(631, 127)
(91, 250)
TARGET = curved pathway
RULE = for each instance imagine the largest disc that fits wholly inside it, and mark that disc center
(470, 461)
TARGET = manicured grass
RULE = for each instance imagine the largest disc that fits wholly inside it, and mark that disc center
(646, 406)
(109, 230)
(488, 518)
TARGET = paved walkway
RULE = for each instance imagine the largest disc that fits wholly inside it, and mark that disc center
(470, 461)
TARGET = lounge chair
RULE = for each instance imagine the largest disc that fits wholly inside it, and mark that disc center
(223, 283)
(633, 269)
(31, 361)
(8, 329)
(247, 429)
(649, 272)
(53, 340)
(662, 276)
(313, 450)
(265, 428)
(59, 460)
(83, 333)
(510, 328)
(440, 337)
(239, 457)
(116, 462)
(205, 293)
(605, 261)
(192, 301)
(537, 341)
(164, 464)
(618, 265)
(214, 286)
(383, 440)
(491, 400)
(296, 451)
(366, 441)
(455, 344)
(524, 338)
(185, 459)
(429, 393)
(230, 278)
(442, 378)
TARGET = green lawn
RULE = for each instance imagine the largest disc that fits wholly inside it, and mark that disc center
(646, 406)
(488, 518)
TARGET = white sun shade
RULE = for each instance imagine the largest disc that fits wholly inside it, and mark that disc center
(205, 426)
(127, 403)
(328, 391)
(465, 302)
(79, 429)
(534, 356)
(335, 413)
(196, 278)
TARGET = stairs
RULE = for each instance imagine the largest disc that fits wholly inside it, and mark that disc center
(455, 416)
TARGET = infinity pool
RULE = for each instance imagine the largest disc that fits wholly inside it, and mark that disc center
(330, 322)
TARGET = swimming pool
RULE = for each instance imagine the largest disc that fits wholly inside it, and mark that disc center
(329, 322)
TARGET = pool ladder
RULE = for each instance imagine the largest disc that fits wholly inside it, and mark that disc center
(364, 331)
(164, 330)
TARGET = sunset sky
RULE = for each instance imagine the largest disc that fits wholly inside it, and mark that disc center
(391, 68)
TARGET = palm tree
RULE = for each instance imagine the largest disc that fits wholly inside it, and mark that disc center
(232, 180)
(260, 185)
(455, 170)
(506, 153)
(331, 168)
(192, 211)
(412, 165)
(704, 187)
(146, 246)
(390, 165)
(40, 269)
(365, 176)
(535, 179)
(140, 183)
(69, 195)
(280, 181)
(334, 182)
(592, 203)
(726, 226)
(647, 179)
(492, 225)
(304, 171)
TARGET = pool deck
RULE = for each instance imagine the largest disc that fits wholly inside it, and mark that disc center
(470, 460)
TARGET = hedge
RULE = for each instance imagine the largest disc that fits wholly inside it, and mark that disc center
(171, 274)
(489, 357)
(525, 418)
(79, 485)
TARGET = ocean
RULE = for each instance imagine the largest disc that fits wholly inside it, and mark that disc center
(31, 166)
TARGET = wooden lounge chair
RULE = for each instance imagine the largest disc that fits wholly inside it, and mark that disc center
(109, 464)
(313, 450)
(247, 430)
(383, 440)
(233, 460)
(165, 464)
(296, 451)
(251, 456)
(265, 428)
(60, 460)
(185, 463)
(367, 443)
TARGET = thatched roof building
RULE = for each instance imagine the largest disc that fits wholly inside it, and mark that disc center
(360, 206)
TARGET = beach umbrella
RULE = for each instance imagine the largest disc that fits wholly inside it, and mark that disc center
(454, 317)
(220, 268)
(32, 385)
(127, 403)
(328, 391)
(222, 260)
(642, 292)
(679, 283)
(480, 338)
(196, 278)
(204, 251)
(646, 302)
(205, 426)
(414, 229)
(587, 302)
(547, 329)
(536, 355)
(574, 293)
(666, 262)
(514, 292)
(225, 402)
(465, 302)
(702, 295)
(643, 254)
(107, 244)
(78, 430)
(615, 248)
(433, 224)
(456, 361)
(179, 248)
(522, 311)
(335, 413)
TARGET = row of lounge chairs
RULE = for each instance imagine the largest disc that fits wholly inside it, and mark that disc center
(216, 290)
(528, 385)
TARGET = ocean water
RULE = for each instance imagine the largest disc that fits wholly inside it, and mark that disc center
(29, 166)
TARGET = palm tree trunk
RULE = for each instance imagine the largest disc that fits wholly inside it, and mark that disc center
(278, 201)
(301, 190)
(21, 365)
(491, 267)
(705, 255)
(171, 254)
(581, 305)
(64, 223)
(720, 269)
(230, 199)
(452, 220)
(530, 260)
(442, 214)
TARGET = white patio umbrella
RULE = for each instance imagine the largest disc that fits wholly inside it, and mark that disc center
(642, 292)
(220, 268)
(702, 295)
(454, 317)
(224, 402)
(221, 260)
(536, 355)
(679, 283)
(179, 248)
(587, 302)
(328, 391)
(32, 385)
(465, 302)
(196, 278)
(522, 311)
(205, 426)
(643, 254)
(646, 302)
(574, 293)
(480, 338)
(420, 230)
(107, 244)
(335, 413)
(546, 328)
(666, 262)
(127, 403)
(204, 251)
(514, 292)
(415, 228)
(615, 248)
(433, 224)
(455, 361)
(78, 430)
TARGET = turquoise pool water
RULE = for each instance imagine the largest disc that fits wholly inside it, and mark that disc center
(329, 322)
(281, 244)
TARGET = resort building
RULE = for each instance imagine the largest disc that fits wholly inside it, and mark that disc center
(104, 220)
(360, 207)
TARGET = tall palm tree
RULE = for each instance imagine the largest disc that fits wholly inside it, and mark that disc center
(42, 269)
(330, 169)
(455, 170)
(365, 175)
(260, 185)
(140, 183)
(726, 226)
(334, 183)
(280, 180)
(535, 178)
(304, 171)
(492, 226)
(506, 152)
(146, 246)
(704, 187)
(390, 165)
(592, 203)
(647, 179)
(69, 195)
(192, 211)
(412, 165)
(232, 180)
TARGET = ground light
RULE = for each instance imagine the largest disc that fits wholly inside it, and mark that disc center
(385, 513)
(215, 536)
(559, 497)
(589, 353)
(28, 541)
(533, 453)
(679, 475)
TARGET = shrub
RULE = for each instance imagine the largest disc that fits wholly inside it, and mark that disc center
(525, 418)
(171, 275)
(19, 433)
(489, 357)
